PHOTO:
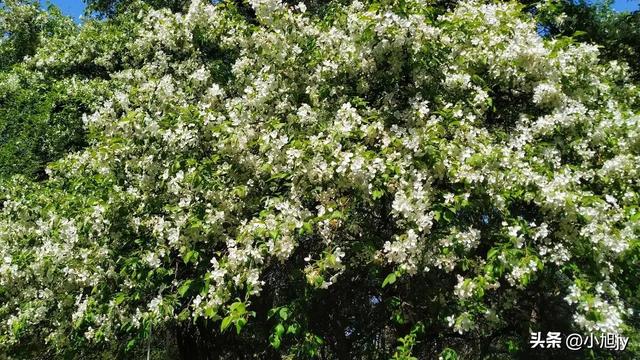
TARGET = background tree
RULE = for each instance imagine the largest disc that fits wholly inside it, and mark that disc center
(40, 113)
(618, 33)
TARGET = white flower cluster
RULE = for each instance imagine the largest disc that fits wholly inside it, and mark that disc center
(594, 312)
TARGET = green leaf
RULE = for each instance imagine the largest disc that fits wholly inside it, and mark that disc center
(306, 228)
(293, 329)
(238, 308)
(131, 344)
(275, 342)
(284, 313)
(272, 312)
(448, 215)
(16, 327)
(120, 298)
(390, 279)
(489, 269)
(377, 194)
(184, 315)
(449, 354)
(512, 346)
(279, 330)
(579, 33)
(240, 323)
(191, 256)
(185, 287)
(225, 323)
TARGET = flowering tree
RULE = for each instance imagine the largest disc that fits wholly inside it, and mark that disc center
(375, 179)
(618, 33)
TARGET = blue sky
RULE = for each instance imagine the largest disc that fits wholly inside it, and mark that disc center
(626, 5)
(74, 8)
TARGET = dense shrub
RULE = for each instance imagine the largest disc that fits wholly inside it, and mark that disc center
(40, 108)
(371, 180)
